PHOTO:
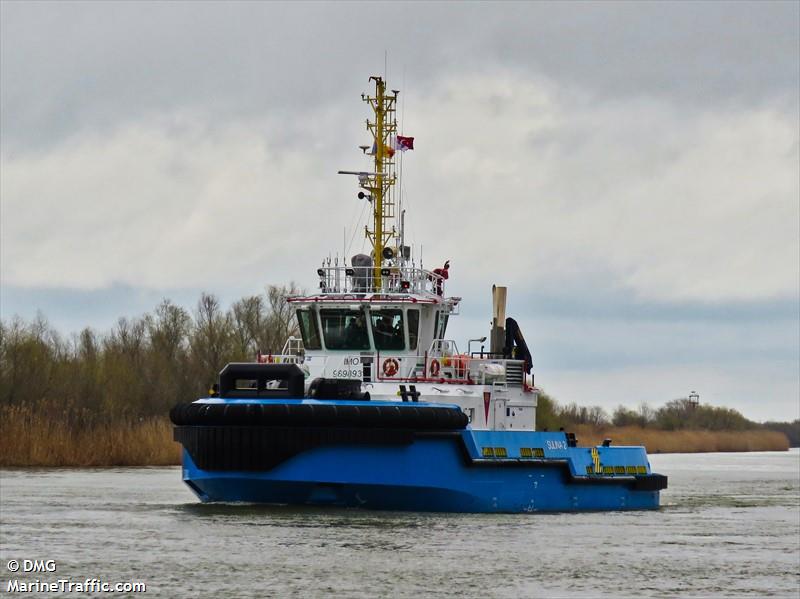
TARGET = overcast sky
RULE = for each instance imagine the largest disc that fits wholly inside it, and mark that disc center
(631, 171)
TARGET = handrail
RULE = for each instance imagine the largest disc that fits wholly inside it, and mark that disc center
(293, 346)
(279, 358)
(398, 377)
(394, 279)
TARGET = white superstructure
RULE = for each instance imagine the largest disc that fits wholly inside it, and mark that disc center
(383, 321)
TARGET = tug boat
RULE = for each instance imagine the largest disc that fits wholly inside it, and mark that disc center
(374, 407)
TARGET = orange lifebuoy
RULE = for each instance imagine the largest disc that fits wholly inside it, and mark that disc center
(390, 367)
(435, 367)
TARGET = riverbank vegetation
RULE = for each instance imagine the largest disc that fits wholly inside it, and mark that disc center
(52, 436)
(102, 399)
(94, 399)
(676, 427)
(684, 440)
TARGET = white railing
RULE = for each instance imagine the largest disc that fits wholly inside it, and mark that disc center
(293, 346)
(393, 279)
(279, 358)
(292, 353)
(442, 363)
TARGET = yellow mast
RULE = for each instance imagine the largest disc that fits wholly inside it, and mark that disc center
(380, 182)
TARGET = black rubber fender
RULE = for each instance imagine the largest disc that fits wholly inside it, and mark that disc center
(371, 415)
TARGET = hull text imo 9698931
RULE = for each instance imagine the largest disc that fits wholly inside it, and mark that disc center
(374, 407)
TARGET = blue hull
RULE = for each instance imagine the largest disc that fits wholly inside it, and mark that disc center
(443, 474)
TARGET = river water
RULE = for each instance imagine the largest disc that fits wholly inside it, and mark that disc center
(729, 527)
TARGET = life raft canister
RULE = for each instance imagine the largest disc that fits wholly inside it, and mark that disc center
(435, 367)
(390, 367)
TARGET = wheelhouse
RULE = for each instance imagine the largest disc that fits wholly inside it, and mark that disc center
(371, 327)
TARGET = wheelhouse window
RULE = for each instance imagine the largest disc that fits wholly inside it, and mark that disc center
(413, 328)
(308, 329)
(387, 329)
(344, 329)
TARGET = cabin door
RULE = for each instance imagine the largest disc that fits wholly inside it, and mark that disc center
(500, 405)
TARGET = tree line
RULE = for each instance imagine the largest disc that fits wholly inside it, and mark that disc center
(678, 414)
(142, 366)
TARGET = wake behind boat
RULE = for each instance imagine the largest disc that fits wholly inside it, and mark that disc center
(376, 408)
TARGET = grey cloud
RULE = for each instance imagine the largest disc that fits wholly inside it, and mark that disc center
(701, 52)
(70, 66)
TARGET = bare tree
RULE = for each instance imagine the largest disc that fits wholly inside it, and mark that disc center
(169, 330)
(280, 321)
(211, 342)
(247, 316)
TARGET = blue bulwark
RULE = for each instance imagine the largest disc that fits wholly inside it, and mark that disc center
(526, 446)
